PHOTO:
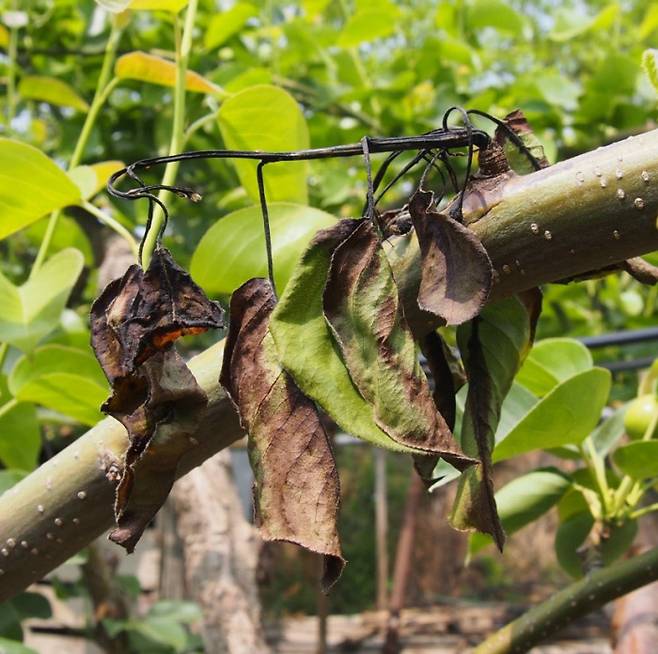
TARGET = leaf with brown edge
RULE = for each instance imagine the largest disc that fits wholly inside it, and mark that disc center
(161, 406)
(296, 488)
(493, 347)
(142, 312)
(362, 309)
(456, 272)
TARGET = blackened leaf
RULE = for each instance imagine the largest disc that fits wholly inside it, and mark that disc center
(143, 312)
(306, 347)
(493, 346)
(161, 411)
(361, 306)
(296, 486)
(456, 272)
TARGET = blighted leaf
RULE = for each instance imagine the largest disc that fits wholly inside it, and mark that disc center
(161, 408)
(456, 272)
(361, 306)
(493, 346)
(134, 323)
(296, 486)
(519, 125)
(317, 367)
(142, 312)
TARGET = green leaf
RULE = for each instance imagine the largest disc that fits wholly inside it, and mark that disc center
(31, 186)
(176, 611)
(650, 65)
(92, 179)
(638, 460)
(571, 23)
(369, 24)
(523, 500)
(570, 535)
(12, 647)
(224, 24)
(265, 117)
(494, 13)
(233, 249)
(606, 435)
(32, 605)
(51, 90)
(317, 367)
(172, 6)
(31, 311)
(146, 67)
(9, 478)
(649, 23)
(20, 436)
(160, 630)
(68, 234)
(561, 417)
(552, 361)
(63, 379)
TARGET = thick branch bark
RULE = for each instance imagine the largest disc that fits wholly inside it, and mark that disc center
(67, 502)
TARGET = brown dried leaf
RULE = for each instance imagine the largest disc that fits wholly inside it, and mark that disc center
(143, 312)
(362, 309)
(456, 272)
(134, 323)
(296, 487)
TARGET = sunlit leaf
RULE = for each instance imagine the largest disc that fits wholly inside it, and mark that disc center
(266, 117)
(523, 500)
(52, 90)
(149, 68)
(31, 186)
(233, 249)
(369, 24)
(92, 178)
(224, 24)
(494, 13)
(561, 417)
(173, 6)
(638, 459)
(30, 311)
(64, 379)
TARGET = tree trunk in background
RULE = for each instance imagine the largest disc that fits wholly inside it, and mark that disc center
(220, 552)
(403, 563)
(381, 527)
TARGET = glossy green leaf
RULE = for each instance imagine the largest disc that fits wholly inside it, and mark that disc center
(20, 436)
(64, 379)
(52, 90)
(265, 117)
(494, 13)
(317, 367)
(525, 499)
(552, 361)
(149, 68)
(233, 249)
(31, 186)
(609, 432)
(93, 178)
(562, 417)
(224, 24)
(29, 312)
(639, 459)
(368, 24)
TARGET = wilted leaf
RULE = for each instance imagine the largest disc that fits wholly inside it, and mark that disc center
(142, 312)
(265, 117)
(456, 272)
(493, 346)
(134, 323)
(156, 70)
(361, 306)
(32, 310)
(317, 367)
(51, 90)
(296, 485)
(32, 186)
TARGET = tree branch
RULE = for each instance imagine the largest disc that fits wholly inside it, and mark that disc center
(582, 224)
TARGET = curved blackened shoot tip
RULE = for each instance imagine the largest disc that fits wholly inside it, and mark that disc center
(423, 178)
(266, 224)
(513, 136)
(469, 162)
